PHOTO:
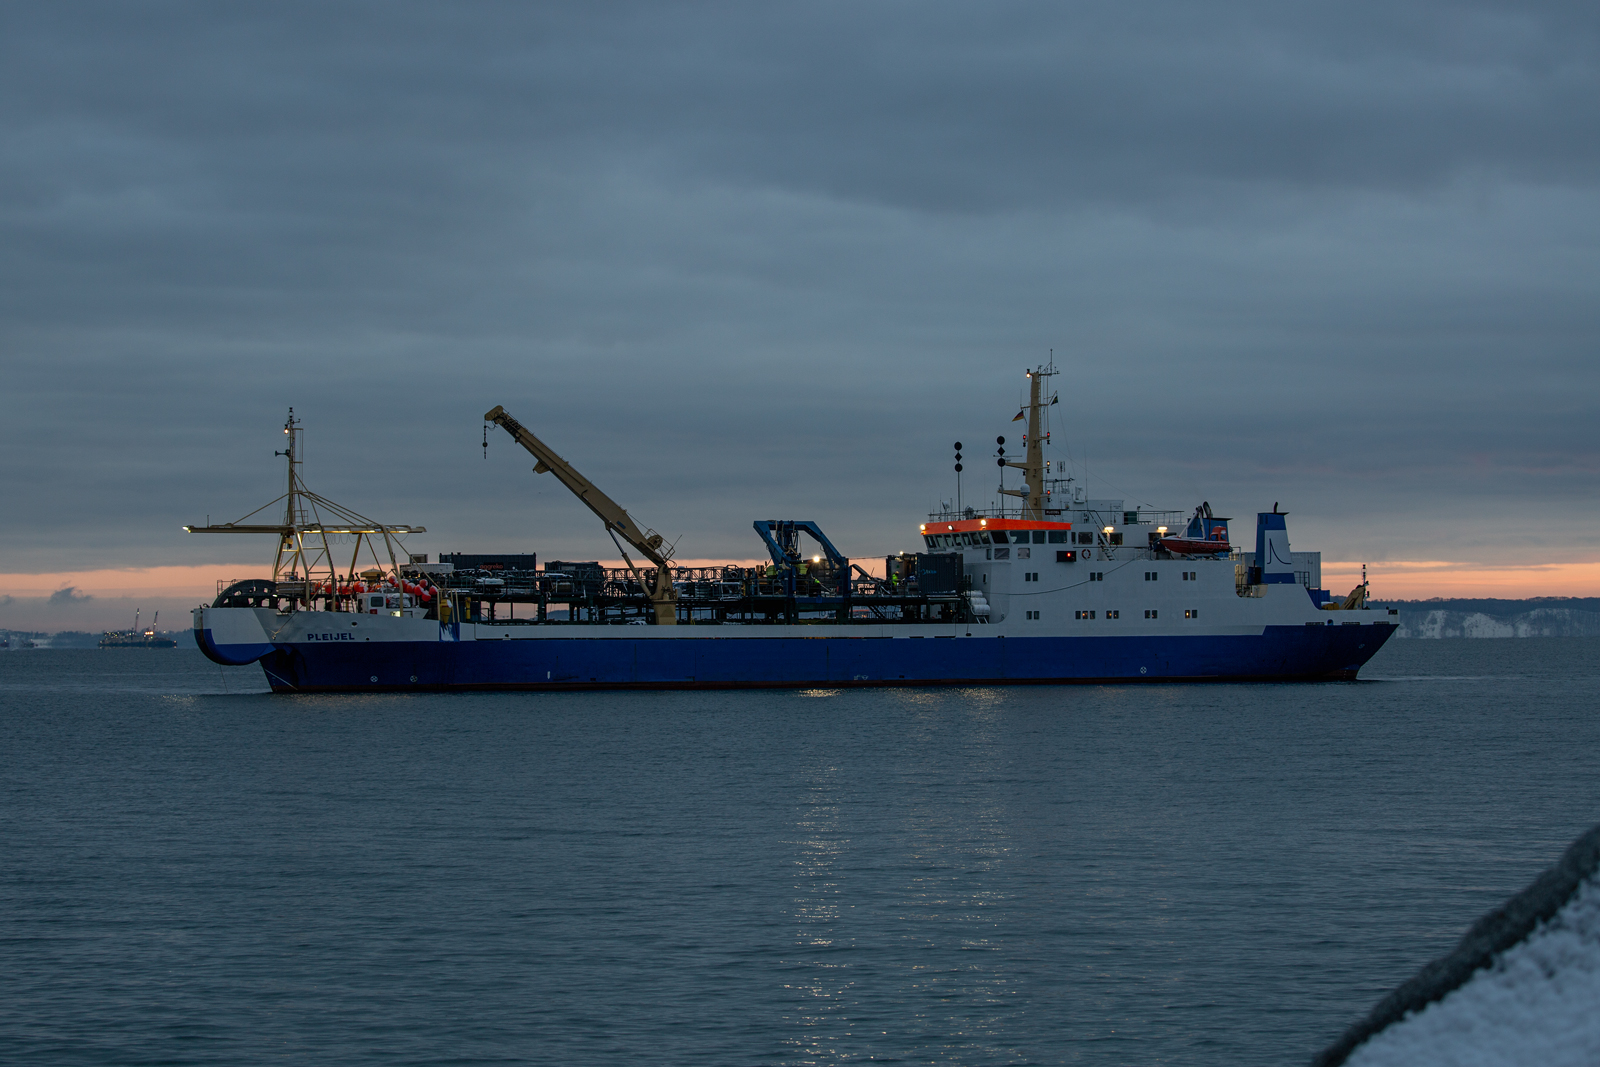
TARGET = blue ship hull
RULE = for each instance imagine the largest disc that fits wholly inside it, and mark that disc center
(1278, 653)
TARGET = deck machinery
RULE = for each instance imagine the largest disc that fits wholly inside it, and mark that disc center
(795, 587)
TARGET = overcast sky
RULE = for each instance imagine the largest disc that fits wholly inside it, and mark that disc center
(745, 261)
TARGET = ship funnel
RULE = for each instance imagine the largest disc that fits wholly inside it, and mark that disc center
(1272, 549)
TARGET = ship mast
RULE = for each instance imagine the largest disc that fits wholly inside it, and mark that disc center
(1032, 465)
(292, 542)
(304, 562)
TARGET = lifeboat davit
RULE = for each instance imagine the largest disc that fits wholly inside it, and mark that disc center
(1194, 546)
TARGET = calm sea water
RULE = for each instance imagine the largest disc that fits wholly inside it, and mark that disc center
(193, 871)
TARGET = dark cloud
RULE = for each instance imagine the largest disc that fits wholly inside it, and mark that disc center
(67, 595)
(737, 260)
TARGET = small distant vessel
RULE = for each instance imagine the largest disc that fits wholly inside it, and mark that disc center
(137, 638)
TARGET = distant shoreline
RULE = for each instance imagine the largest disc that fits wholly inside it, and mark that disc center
(1469, 617)
(1493, 605)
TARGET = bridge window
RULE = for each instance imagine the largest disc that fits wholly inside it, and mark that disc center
(1059, 537)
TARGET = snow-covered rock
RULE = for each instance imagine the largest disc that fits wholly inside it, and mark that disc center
(1522, 987)
(1538, 1004)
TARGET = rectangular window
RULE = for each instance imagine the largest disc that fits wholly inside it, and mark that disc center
(1033, 615)
(1064, 555)
(933, 542)
(1084, 538)
(1038, 537)
(1058, 537)
(1083, 614)
(1192, 613)
(1002, 553)
(1155, 576)
(1113, 614)
(1116, 538)
(1151, 614)
(1019, 537)
(1022, 553)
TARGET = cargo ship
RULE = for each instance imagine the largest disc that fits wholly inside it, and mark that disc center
(1048, 586)
(136, 637)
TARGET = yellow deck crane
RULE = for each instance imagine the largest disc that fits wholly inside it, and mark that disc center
(662, 596)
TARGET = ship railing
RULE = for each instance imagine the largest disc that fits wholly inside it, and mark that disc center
(1173, 520)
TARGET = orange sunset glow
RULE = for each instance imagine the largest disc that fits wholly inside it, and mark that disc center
(1391, 580)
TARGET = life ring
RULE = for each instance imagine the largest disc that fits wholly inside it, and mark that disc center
(1088, 553)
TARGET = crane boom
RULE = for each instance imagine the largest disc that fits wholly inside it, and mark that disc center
(663, 597)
